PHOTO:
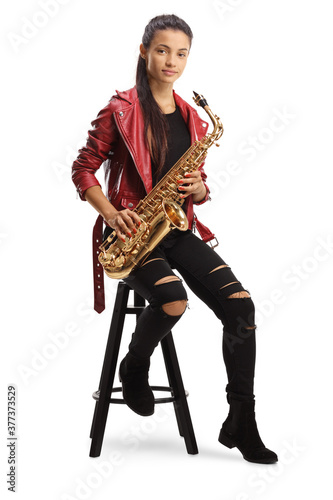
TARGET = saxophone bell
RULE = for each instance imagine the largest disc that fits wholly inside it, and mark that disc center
(175, 215)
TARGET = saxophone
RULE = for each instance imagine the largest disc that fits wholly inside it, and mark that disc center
(160, 211)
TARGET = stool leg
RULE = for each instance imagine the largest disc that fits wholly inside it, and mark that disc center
(108, 370)
(138, 301)
(180, 404)
(93, 421)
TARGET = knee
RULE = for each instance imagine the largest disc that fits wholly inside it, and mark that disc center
(170, 296)
(240, 311)
(175, 308)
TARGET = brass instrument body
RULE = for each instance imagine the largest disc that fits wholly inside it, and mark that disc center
(160, 211)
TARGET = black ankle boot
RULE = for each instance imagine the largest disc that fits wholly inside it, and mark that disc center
(133, 373)
(240, 430)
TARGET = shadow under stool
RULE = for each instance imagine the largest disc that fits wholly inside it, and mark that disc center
(104, 397)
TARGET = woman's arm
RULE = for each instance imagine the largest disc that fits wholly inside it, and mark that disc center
(102, 138)
(122, 221)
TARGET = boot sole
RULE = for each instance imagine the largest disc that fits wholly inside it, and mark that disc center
(226, 441)
(266, 462)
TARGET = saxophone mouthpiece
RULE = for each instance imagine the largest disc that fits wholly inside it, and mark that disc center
(199, 100)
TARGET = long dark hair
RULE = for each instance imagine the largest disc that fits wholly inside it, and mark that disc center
(155, 122)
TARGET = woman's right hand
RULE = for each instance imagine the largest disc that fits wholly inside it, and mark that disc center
(124, 222)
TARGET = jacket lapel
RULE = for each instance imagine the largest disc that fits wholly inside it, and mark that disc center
(131, 126)
(197, 127)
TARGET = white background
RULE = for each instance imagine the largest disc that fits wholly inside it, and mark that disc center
(253, 60)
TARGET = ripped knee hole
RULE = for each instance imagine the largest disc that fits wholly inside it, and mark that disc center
(175, 308)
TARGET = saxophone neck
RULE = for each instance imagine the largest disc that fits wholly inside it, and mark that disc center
(218, 127)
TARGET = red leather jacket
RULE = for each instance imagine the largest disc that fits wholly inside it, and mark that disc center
(117, 140)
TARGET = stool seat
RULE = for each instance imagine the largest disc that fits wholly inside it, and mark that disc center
(103, 396)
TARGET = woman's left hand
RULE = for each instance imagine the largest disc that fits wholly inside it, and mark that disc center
(192, 184)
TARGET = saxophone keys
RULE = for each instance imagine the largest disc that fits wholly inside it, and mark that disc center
(120, 261)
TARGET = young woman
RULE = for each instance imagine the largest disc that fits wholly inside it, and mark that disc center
(139, 135)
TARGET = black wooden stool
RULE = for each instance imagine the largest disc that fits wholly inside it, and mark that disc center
(103, 395)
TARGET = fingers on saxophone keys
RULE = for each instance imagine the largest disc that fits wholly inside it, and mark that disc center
(136, 222)
(127, 231)
(134, 228)
(122, 230)
(121, 236)
(136, 219)
(132, 220)
(131, 230)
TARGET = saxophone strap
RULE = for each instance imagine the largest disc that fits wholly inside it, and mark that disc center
(205, 233)
(99, 297)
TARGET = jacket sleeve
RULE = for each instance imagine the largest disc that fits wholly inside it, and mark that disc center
(102, 138)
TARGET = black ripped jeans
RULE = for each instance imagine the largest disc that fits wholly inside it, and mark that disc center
(212, 280)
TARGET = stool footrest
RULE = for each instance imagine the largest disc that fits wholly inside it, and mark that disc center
(170, 399)
(134, 309)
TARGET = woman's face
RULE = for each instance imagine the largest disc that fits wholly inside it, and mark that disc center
(167, 56)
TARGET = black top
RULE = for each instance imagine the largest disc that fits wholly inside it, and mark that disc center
(179, 140)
